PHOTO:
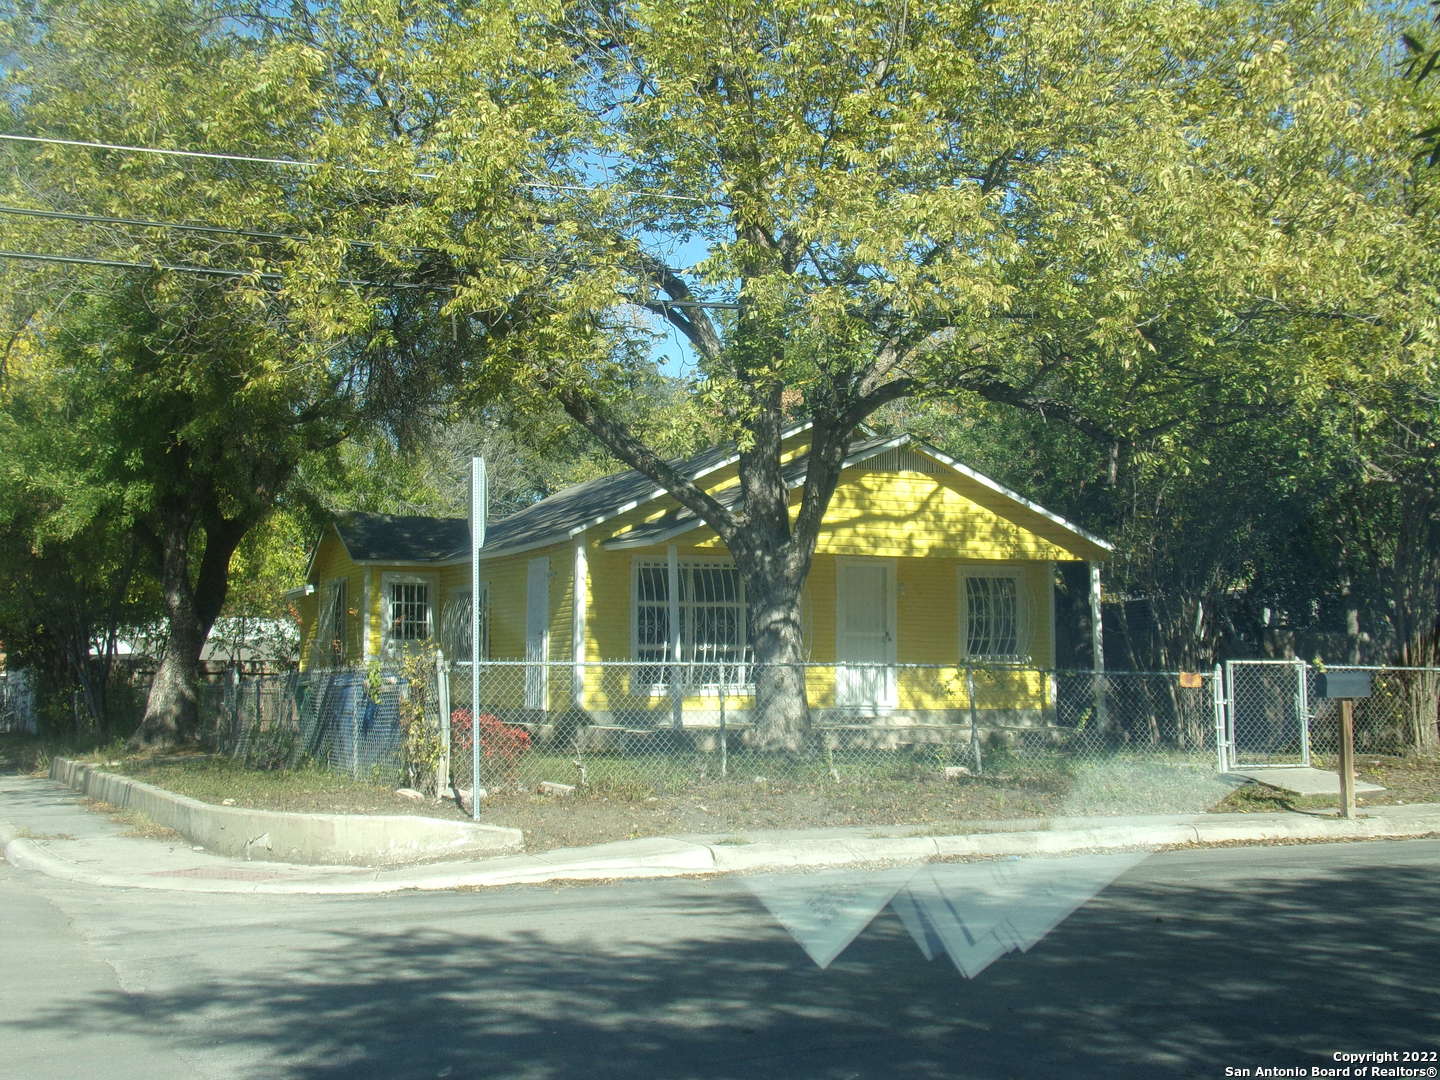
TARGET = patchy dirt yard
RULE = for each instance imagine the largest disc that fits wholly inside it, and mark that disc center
(926, 803)
(1405, 780)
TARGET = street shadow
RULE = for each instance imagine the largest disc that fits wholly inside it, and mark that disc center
(1165, 977)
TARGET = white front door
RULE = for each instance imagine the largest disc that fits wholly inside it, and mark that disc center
(865, 634)
(537, 632)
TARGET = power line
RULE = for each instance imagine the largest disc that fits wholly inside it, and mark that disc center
(294, 163)
(212, 271)
(218, 230)
(269, 275)
(224, 230)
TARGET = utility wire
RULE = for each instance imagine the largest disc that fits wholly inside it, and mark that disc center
(294, 163)
(224, 230)
(267, 275)
(212, 271)
(214, 230)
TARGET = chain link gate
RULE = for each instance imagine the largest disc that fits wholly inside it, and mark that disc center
(1267, 714)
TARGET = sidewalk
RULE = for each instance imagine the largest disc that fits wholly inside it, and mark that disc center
(45, 827)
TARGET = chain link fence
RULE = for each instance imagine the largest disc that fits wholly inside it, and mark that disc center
(645, 731)
(659, 729)
(1401, 713)
(345, 720)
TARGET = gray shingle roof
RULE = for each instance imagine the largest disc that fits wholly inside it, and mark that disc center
(412, 538)
(402, 538)
(398, 539)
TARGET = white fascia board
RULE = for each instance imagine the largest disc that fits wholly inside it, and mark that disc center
(1001, 489)
(315, 548)
(635, 504)
(427, 564)
(555, 540)
(620, 542)
(891, 444)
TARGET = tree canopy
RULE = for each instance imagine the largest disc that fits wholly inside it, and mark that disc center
(1153, 221)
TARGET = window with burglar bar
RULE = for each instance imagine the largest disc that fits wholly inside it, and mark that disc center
(994, 628)
(712, 623)
(408, 613)
(456, 626)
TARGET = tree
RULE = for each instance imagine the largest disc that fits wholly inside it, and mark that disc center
(1107, 215)
(192, 397)
(1111, 216)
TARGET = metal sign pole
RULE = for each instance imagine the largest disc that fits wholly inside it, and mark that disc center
(478, 500)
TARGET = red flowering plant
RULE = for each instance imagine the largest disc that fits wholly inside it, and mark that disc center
(501, 744)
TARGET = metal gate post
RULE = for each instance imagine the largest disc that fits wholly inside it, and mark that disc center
(442, 698)
(1217, 694)
(1232, 746)
(1302, 703)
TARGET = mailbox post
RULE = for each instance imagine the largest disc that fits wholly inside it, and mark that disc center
(1346, 686)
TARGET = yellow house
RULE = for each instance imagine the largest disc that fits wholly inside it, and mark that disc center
(610, 600)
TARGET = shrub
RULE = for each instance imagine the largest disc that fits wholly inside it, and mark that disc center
(501, 744)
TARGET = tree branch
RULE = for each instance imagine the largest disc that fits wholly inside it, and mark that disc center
(616, 436)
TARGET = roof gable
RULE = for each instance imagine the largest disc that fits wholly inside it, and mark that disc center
(394, 538)
(1031, 516)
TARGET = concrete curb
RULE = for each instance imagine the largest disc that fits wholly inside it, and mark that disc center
(667, 857)
(27, 854)
(311, 839)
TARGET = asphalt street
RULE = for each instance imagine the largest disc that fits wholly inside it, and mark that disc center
(1188, 963)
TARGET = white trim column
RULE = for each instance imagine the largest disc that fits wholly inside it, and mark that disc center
(367, 615)
(1097, 649)
(579, 598)
(672, 572)
(1097, 621)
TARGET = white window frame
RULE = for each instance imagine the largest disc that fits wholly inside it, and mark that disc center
(1023, 650)
(651, 675)
(460, 595)
(389, 647)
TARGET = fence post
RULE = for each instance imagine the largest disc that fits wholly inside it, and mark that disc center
(234, 681)
(1302, 706)
(724, 741)
(355, 736)
(442, 697)
(974, 725)
(1217, 693)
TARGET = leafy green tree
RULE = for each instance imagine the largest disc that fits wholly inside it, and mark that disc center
(190, 400)
(1111, 216)
(1115, 216)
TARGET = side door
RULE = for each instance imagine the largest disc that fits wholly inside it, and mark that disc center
(865, 634)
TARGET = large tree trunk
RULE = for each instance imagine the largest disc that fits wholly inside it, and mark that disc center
(1416, 617)
(773, 556)
(782, 711)
(172, 710)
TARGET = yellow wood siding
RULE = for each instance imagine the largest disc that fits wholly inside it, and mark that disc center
(330, 564)
(506, 582)
(929, 524)
(915, 515)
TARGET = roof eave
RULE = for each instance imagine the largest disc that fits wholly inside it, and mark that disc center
(635, 504)
(620, 543)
